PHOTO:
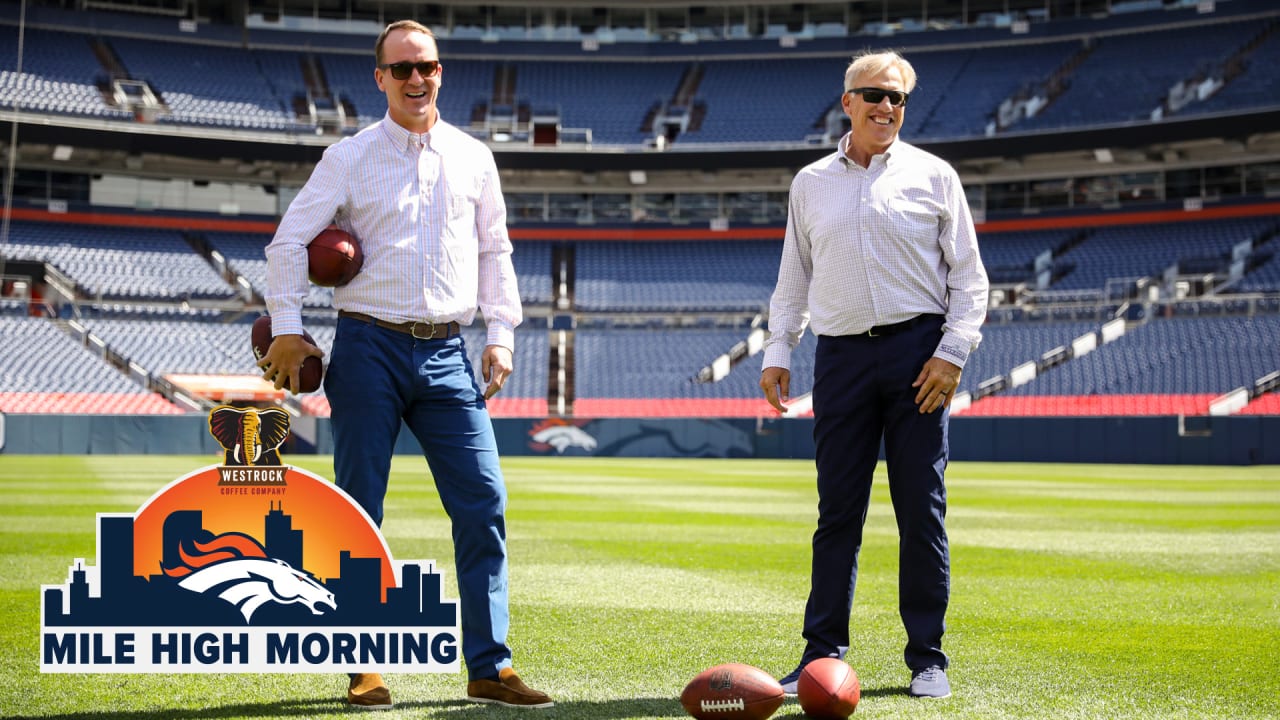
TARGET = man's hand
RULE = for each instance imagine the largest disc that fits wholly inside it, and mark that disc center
(495, 367)
(283, 361)
(776, 384)
(938, 380)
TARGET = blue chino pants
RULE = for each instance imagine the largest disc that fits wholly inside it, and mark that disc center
(861, 393)
(378, 377)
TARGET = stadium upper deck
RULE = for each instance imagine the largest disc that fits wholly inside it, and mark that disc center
(1027, 83)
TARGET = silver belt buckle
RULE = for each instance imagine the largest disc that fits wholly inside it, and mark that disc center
(413, 330)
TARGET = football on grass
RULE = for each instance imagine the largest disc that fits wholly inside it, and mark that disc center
(828, 689)
(312, 371)
(333, 258)
(732, 691)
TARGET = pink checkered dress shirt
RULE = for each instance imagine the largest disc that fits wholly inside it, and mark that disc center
(429, 214)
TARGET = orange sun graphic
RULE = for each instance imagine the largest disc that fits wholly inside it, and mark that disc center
(330, 522)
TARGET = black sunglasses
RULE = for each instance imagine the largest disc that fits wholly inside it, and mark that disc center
(404, 70)
(897, 98)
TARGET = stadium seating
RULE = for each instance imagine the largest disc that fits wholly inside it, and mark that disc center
(1265, 275)
(813, 86)
(38, 357)
(219, 86)
(610, 98)
(1126, 78)
(1255, 85)
(963, 90)
(44, 370)
(120, 263)
(675, 276)
(1009, 257)
(650, 362)
(1186, 353)
(166, 347)
(1005, 347)
(59, 74)
(1121, 72)
(136, 285)
(654, 372)
(1149, 250)
(1171, 356)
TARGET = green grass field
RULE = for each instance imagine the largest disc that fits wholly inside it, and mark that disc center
(1079, 591)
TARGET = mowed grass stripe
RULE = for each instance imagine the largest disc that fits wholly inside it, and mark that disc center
(1078, 591)
(1144, 543)
(652, 588)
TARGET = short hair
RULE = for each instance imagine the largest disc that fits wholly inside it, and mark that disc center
(870, 62)
(410, 25)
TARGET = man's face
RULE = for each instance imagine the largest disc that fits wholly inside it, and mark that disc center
(411, 102)
(874, 126)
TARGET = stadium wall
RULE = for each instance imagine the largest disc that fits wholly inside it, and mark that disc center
(1205, 440)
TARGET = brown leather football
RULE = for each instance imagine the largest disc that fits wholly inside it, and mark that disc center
(334, 257)
(828, 689)
(732, 691)
(312, 371)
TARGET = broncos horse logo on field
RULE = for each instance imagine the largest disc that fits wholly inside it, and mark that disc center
(236, 567)
(561, 435)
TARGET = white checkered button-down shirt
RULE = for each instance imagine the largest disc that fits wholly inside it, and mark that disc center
(430, 217)
(876, 246)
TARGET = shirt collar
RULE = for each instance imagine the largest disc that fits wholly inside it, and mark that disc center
(403, 138)
(884, 157)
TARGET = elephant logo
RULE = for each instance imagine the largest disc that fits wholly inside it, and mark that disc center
(249, 436)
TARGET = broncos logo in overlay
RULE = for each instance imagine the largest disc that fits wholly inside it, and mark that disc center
(237, 568)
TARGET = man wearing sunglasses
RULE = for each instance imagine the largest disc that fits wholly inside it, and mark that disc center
(424, 200)
(881, 259)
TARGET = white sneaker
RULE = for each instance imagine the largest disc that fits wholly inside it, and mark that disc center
(930, 683)
(789, 683)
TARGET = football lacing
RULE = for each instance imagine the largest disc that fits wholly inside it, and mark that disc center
(723, 705)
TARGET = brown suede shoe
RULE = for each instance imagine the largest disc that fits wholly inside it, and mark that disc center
(367, 691)
(507, 690)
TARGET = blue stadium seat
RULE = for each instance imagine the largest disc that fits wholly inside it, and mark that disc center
(675, 276)
(120, 263)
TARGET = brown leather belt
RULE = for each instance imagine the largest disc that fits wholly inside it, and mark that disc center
(419, 329)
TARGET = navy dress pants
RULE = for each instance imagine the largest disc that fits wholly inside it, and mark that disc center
(378, 377)
(861, 393)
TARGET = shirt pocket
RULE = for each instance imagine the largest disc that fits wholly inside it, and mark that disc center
(912, 217)
(463, 195)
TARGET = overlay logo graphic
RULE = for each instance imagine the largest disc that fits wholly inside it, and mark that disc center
(237, 569)
(247, 567)
(249, 436)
